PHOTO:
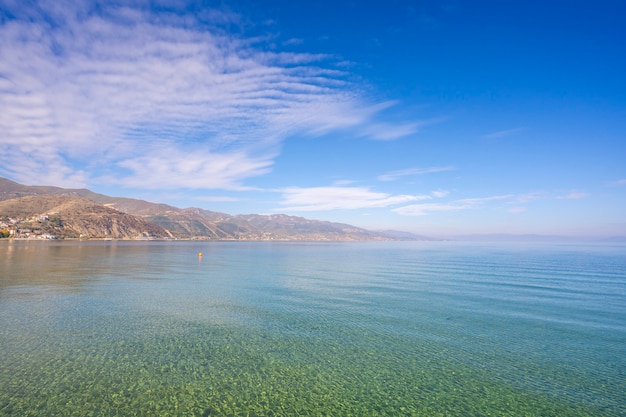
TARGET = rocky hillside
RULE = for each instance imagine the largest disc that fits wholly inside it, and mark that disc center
(64, 216)
(82, 212)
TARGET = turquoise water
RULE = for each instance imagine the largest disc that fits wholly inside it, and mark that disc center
(312, 329)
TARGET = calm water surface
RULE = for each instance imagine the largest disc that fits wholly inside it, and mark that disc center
(312, 329)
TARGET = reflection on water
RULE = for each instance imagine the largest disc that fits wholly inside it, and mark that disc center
(68, 263)
(148, 328)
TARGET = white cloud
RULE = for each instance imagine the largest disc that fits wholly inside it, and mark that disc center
(525, 198)
(343, 198)
(386, 131)
(423, 209)
(618, 183)
(573, 195)
(294, 41)
(92, 93)
(512, 200)
(440, 193)
(504, 133)
(169, 168)
(343, 182)
(463, 204)
(517, 209)
(481, 200)
(394, 175)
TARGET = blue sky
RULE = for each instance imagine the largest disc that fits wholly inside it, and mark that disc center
(436, 117)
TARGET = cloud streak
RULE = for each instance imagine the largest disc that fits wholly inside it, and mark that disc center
(155, 99)
(423, 209)
(457, 205)
(340, 198)
(617, 183)
(394, 175)
(504, 133)
(573, 195)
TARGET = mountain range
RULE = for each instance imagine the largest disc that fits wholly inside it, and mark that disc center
(54, 212)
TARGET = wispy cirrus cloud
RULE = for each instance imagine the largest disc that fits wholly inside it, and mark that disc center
(386, 131)
(573, 195)
(440, 193)
(394, 175)
(169, 167)
(525, 198)
(423, 209)
(159, 99)
(340, 198)
(480, 200)
(504, 133)
(509, 200)
(517, 209)
(617, 183)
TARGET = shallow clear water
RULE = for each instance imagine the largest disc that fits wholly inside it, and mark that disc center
(323, 329)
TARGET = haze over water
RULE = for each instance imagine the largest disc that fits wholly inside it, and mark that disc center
(411, 328)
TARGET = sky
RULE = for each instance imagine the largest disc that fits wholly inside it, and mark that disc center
(440, 118)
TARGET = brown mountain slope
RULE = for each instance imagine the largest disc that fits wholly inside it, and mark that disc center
(66, 216)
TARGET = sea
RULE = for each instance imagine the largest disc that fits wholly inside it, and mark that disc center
(119, 328)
